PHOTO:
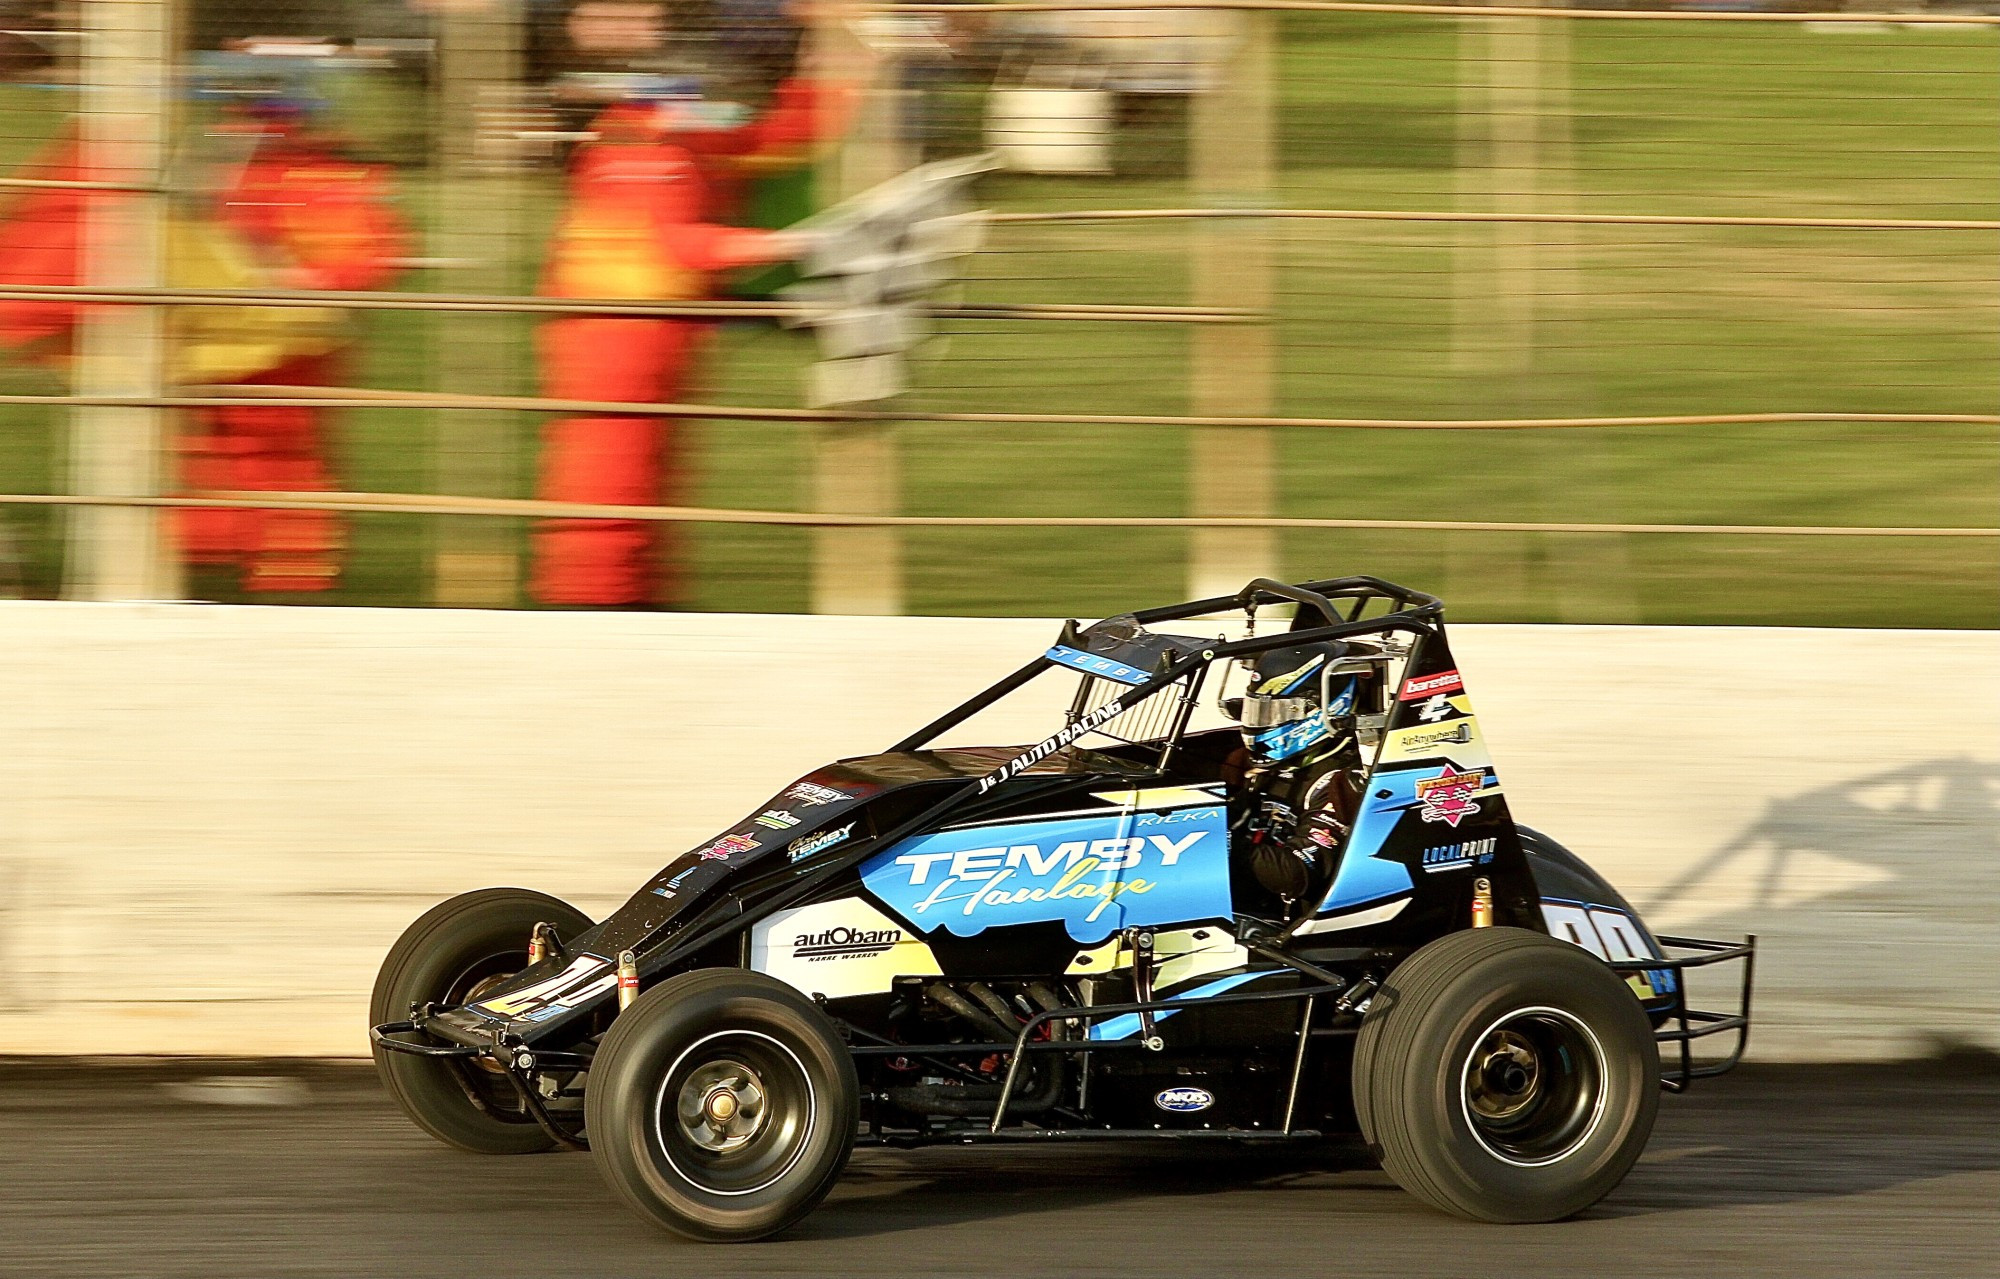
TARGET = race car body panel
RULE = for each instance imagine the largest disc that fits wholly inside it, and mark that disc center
(834, 816)
(1128, 857)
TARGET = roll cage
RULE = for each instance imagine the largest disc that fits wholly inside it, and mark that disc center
(1414, 613)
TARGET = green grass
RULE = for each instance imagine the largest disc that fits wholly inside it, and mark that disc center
(1669, 118)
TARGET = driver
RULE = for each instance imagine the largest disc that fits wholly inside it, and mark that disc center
(1298, 793)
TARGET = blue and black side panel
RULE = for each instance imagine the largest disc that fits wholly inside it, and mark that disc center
(1096, 872)
(1432, 818)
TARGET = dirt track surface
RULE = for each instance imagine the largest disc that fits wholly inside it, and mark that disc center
(125, 1171)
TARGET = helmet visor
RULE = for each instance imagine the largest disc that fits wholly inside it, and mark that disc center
(1269, 712)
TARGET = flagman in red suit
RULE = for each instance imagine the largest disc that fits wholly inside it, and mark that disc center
(635, 227)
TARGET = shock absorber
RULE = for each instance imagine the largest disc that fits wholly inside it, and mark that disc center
(628, 979)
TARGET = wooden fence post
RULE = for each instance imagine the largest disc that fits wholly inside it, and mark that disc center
(857, 468)
(477, 227)
(1233, 369)
(127, 88)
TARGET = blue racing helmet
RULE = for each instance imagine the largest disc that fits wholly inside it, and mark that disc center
(1291, 704)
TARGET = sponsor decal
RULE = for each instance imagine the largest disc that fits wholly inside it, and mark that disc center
(1048, 746)
(1416, 739)
(1184, 1100)
(586, 976)
(845, 943)
(1471, 852)
(838, 948)
(806, 847)
(721, 849)
(1610, 934)
(1421, 687)
(1448, 796)
(667, 889)
(1093, 664)
(813, 793)
(1435, 708)
(1456, 738)
(776, 819)
(1323, 837)
(1095, 873)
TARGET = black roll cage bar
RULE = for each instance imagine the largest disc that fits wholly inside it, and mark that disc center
(1419, 614)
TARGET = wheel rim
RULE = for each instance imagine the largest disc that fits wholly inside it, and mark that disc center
(735, 1112)
(1532, 1086)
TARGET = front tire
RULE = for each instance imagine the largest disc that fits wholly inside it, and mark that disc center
(443, 958)
(722, 1105)
(1504, 1076)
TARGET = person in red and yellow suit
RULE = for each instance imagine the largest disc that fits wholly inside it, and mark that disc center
(634, 227)
(294, 215)
(297, 215)
(41, 236)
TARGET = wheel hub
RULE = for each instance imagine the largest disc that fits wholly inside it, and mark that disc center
(1509, 1075)
(721, 1106)
(1534, 1086)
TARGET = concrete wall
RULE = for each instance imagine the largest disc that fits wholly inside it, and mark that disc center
(213, 821)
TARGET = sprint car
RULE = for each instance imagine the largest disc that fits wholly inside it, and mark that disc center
(1129, 930)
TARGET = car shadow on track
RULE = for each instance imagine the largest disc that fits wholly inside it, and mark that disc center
(1873, 896)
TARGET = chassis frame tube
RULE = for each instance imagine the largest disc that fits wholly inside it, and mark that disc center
(1092, 1012)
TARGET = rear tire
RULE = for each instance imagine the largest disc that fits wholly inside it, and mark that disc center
(722, 1105)
(1504, 1076)
(452, 948)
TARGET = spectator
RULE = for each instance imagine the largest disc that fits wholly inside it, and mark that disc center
(645, 218)
(289, 211)
(632, 227)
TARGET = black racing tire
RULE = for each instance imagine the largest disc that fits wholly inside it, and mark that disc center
(795, 1100)
(450, 949)
(1504, 1076)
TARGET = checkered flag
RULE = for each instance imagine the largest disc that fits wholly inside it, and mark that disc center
(871, 267)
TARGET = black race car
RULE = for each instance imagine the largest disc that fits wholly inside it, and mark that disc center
(1313, 918)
